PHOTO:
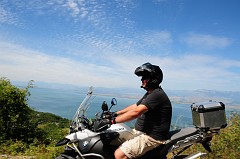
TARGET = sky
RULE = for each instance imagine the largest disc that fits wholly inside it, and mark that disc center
(100, 43)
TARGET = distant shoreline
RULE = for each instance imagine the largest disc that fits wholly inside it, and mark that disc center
(233, 107)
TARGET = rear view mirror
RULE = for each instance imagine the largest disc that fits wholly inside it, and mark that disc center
(114, 101)
(104, 106)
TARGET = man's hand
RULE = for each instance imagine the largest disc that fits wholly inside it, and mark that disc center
(109, 115)
(101, 125)
(114, 114)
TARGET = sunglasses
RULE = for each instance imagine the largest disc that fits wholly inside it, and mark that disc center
(144, 78)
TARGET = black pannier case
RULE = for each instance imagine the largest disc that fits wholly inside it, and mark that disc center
(209, 115)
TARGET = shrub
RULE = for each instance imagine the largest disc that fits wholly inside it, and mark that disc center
(15, 114)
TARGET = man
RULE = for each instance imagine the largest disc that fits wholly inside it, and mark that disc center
(153, 112)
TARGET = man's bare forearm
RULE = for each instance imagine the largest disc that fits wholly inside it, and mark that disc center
(131, 107)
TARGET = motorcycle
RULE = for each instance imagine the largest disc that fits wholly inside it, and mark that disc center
(86, 140)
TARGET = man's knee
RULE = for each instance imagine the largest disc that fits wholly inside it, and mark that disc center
(119, 154)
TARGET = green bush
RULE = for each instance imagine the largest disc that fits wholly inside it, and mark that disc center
(226, 144)
(15, 114)
(25, 131)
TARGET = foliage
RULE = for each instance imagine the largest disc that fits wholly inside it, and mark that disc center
(44, 117)
(25, 131)
(15, 115)
(51, 128)
(19, 148)
(48, 133)
(226, 144)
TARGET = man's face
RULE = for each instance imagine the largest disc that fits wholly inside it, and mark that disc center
(144, 81)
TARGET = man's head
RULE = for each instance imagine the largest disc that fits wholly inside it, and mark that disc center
(151, 75)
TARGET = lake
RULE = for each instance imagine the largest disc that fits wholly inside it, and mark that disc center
(65, 103)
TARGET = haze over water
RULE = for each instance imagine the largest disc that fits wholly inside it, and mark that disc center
(65, 103)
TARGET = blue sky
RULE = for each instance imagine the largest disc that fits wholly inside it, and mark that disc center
(101, 42)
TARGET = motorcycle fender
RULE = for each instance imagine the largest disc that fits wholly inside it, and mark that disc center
(77, 136)
(64, 141)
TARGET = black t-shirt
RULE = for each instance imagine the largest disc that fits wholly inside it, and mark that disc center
(157, 120)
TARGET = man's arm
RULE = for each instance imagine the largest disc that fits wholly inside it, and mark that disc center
(120, 112)
(132, 112)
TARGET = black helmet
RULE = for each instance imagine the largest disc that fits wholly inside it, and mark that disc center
(152, 72)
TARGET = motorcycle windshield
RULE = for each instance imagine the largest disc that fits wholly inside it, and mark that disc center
(83, 107)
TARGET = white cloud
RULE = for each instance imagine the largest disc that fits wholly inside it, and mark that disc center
(202, 72)
(207, 41)
(74, 7)
(187, 72)
(104, 55)
(18, 63)
(156, 38)
(7, 17)
(160, 1)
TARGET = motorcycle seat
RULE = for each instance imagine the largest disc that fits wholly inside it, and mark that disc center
(179, 134)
